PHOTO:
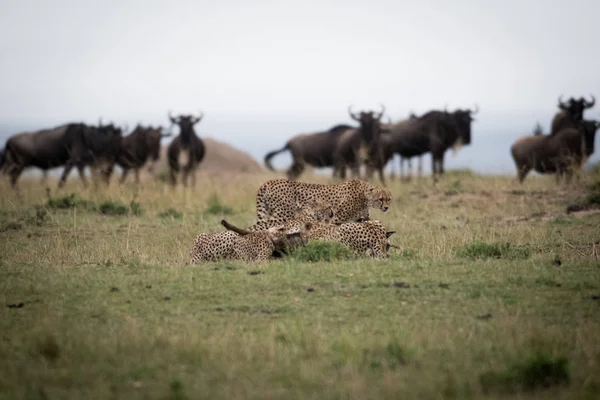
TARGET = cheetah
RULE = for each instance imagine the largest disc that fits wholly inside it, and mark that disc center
(244, 245)
(310, 212)
(260, 245)
(277, 200)
(364, 238)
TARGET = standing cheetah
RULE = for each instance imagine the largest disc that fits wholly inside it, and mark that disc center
(277, 200)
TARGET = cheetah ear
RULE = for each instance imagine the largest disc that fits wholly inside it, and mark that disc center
(390, 233)
(371, 189)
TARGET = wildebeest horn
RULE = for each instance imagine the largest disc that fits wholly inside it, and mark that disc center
(591, 103)
(173, 120)
(476, 109)
(353, 116)
(378, 117)
(237, 230)
(199, 118)
(561, 104)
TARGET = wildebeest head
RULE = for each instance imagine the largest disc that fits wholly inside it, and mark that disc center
(153, 137)
(575, 107)
(589, 128)
(186, 125)
(462, 121)
(369, 123)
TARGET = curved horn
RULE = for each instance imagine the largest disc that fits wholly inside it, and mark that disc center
(237, 230)
(199, 117)
(589, 104)
(353, 116)
(173, 120)
(378, 117)
(476, 109)
(561, 104)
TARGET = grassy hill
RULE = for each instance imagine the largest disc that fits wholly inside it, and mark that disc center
(495, 291)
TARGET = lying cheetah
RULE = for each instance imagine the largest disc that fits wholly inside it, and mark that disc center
(244, 245)
(278, 199)
(363, 238)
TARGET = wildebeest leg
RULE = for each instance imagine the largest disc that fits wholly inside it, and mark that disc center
(410, 170)
(295, 169)
(44, 177)
(81, 171)
(381, 176)
(15, 172)
(124, 175)
(522, 172)
(420, 167)
(401, 168)
(172, 177)
(65, 174)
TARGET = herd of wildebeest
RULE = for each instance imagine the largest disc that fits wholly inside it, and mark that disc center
(372, 144)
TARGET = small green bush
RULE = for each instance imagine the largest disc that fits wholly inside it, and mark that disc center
(322, 251)
(171, 213)
(480, 250)
(115, 207)
(66, 202)
(216, 208)
(537, 372)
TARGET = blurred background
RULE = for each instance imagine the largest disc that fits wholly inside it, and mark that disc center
(264, 71)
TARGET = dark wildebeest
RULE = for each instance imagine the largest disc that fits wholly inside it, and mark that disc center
(187, 142)
(360, 145)
(137, 147)
(71, 145)
(570, 113)
(315, 149)
(435, 132)
(96, 147)
(560, 153)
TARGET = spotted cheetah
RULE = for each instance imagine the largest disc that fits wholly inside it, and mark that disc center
(277, 200)
(363, 238)
(311, 212)
(244, 245)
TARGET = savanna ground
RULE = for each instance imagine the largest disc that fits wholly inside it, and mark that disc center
(495, 291)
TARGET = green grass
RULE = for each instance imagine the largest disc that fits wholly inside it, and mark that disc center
(481, 300)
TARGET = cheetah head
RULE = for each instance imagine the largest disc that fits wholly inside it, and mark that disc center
(379, 198)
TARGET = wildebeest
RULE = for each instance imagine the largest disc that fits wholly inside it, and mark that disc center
(92, 146)
(570, 113)
(137, 147)
(434, 131)
(560, 153)
(361, 144)
(187, 142)
(315, 149)
(73, 144)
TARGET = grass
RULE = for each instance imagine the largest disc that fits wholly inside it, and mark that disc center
(493, 293)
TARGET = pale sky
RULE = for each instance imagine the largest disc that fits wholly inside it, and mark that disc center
(294, 65)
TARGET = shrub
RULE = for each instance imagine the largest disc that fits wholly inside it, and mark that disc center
(216, 208)
(481, 250)
(322, 251)
(537, 372)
